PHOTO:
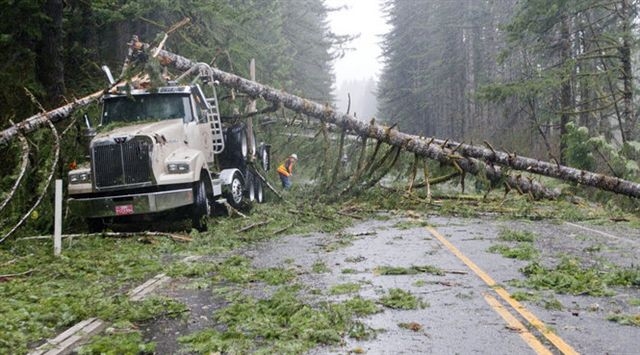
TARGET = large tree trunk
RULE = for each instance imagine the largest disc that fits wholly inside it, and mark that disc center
(629, 116)
(423, 147)
(565, 86)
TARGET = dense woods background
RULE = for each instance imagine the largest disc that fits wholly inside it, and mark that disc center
(552, 79)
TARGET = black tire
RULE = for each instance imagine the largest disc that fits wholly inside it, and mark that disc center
(237, 142)
(243, 144)
(263, 157)
(251, 186)
(235, 192)
(95, 225)
(259, 190)
(201, 206)
(236, 151)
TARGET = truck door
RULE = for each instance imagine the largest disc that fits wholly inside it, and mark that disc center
(200, 136)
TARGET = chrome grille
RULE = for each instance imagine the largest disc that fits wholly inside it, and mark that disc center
(119, 164)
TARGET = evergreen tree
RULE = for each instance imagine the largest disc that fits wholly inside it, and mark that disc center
(574, 61)
(308, 43)
(436, 56)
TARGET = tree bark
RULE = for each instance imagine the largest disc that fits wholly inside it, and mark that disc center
(629, 116)
(565, 86)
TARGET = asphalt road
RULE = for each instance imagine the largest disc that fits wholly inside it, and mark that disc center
(470, 307)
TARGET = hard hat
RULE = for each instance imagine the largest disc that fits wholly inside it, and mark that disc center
(294, 156)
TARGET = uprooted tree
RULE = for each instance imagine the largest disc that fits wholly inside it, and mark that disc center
(466, 158)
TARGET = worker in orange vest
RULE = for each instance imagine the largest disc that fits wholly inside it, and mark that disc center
(285, 170)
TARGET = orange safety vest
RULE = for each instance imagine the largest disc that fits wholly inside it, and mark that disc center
(286, 168)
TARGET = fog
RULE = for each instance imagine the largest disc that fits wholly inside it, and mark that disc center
(357, 72)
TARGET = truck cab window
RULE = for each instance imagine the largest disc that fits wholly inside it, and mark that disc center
(146, 107)
(200, 105)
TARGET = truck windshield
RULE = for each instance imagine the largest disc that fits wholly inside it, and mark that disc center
(146, 107)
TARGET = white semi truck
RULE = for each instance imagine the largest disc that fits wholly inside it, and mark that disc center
(165, 150)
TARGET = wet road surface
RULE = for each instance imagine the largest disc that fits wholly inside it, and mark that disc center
(466, 314)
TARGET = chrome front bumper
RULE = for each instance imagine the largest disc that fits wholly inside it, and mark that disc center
(135, 204)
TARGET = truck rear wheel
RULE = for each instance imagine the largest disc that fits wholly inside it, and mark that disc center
(251, 187)
(235, 192)
(258, 190)
(264, 157)
(201, 206)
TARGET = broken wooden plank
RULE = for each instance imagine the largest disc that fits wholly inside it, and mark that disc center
(68, 340)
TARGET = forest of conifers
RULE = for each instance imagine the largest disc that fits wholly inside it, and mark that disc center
(519, 74)
(552, 79)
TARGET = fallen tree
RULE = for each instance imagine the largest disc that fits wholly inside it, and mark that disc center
(435, 149)
(466, 157)
(36, 121)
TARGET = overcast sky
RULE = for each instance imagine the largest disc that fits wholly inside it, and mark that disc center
(362, 17)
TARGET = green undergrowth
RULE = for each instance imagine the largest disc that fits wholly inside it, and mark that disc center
(280, 324)
(44, 295)
(625, 319)
(570, 277)
(400, 299)
(119, 339)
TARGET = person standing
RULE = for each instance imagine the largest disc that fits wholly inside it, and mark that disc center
(285, 170)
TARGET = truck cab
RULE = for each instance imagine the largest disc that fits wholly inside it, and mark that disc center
(160, 150)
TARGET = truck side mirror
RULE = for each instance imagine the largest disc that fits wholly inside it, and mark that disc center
(107, 72)
(87, 135)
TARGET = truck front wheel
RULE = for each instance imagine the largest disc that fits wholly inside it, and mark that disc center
(201, 206)
(95, 225)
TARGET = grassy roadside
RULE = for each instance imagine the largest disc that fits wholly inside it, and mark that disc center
(43, 295)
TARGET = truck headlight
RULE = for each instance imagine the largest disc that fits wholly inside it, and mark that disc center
(79, 178)
(178, 168)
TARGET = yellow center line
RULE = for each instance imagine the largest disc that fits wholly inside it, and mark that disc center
(517, 306)
(516, 325)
